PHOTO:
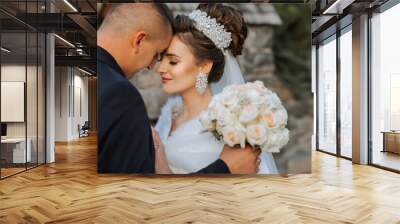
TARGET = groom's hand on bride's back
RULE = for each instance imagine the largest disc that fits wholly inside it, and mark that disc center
(241, 161)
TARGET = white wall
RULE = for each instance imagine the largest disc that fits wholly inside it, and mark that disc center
(61, 103)
(71, 93)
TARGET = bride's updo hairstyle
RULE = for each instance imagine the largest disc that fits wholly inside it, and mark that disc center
(202, 47)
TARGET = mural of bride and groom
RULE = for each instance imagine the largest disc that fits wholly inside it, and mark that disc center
(212, 121)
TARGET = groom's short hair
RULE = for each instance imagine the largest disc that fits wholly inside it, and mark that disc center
(165, 13)
(118, 9)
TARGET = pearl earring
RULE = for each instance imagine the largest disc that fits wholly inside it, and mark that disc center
(201, 82)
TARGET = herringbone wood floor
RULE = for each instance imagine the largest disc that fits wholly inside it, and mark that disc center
(70, 191)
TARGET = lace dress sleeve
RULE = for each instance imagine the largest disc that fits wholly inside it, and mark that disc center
(163, 125)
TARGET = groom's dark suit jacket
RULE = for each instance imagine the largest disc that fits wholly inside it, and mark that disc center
(125, 143)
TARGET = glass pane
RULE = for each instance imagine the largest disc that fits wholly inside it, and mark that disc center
(13, 89)
(327, 96)
(386, 89)
(31, 98)
(23, 82)
(346, 94)
(41, 98)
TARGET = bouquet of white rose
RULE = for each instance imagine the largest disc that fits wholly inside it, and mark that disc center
(248, 113)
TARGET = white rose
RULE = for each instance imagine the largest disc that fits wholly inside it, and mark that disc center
(206, 122)
(259, 84)
(233, 137)
(284, 137)
(273, 100)
(212, 113)
(253, 95)
(242, 133)
(268, 119)
(261, 89)
(230, 101)
(258, 100)
(226, 118)
(220, 110)
(241, 88)
(277, 138)
(239, 126)
(281, 117)
(274, 118)
(248, 113)
(256, 134)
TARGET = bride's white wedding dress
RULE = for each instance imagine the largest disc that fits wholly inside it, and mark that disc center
(189, 149)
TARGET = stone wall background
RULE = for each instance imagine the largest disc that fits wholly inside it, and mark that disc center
(275, 31)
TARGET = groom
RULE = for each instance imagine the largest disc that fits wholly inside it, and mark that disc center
(132, 37)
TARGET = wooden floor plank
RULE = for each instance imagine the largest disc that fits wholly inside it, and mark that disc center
(71, 191)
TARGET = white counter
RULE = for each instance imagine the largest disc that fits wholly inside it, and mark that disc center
(19, 151)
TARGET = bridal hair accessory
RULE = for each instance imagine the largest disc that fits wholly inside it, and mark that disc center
(201, 82)
(222, 39)
(211, 28)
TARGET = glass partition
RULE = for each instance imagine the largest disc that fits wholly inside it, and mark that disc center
(22, 89)
(15, 150)
(346, 93)
(327, 95)
(385, 89)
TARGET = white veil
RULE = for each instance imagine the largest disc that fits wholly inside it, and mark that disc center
(232, 74)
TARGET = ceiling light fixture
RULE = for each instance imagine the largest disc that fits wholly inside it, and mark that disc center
(65, 41)
(338, 6)
(86, 72)
(70, 5)
(5, 50)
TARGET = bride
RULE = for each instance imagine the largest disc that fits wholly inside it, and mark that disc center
(198, 64)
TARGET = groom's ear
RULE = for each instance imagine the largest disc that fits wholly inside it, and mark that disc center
(136, 39)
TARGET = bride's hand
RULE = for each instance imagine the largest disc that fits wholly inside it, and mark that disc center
(161, 160)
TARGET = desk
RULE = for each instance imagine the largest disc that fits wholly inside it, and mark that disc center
(391, 141)
(16, 147)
